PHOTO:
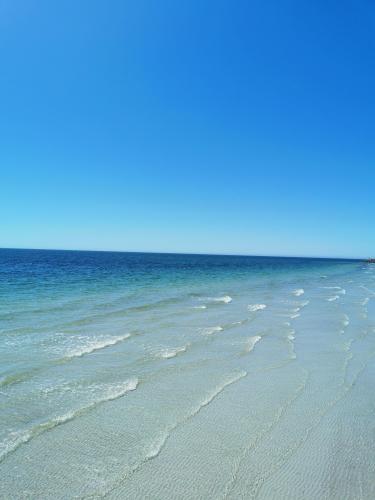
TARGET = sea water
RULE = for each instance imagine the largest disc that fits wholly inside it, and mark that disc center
(130, 375)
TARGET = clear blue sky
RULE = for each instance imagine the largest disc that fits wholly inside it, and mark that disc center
(243, 126)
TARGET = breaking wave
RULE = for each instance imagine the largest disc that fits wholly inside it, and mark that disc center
(217, 391)
(171, 352)
(250, 343)
(158, 444)
(17, 438)
(95, 344)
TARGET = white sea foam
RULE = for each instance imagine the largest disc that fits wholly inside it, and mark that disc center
(156, 446)
(291, 335)
(347, 345)
(365, 301)
(217, 391)
(172, 352)
(256, 307)
(114, 391)
(226, 299)
(331, 299)
(200, 307)
(298, 292)
(211, 329)
(240, 322)
(295, 310)
(293, 316)
(305, 303)
(345, 321)
(250, 342)
(109, 393)
(331, 287)
(95, 344)
(13, 441)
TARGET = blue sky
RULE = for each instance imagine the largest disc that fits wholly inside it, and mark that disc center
(188, 126)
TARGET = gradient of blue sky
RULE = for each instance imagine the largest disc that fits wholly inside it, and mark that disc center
(188, 125)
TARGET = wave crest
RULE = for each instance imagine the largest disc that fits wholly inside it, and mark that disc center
(95, 344)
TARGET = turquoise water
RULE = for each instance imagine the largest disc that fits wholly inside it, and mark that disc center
(178, 376)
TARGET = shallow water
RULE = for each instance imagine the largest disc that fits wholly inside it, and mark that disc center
(178, 376)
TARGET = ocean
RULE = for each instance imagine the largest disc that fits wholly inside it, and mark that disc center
(161, 376)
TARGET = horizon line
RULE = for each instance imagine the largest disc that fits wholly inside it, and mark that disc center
(183, 253)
